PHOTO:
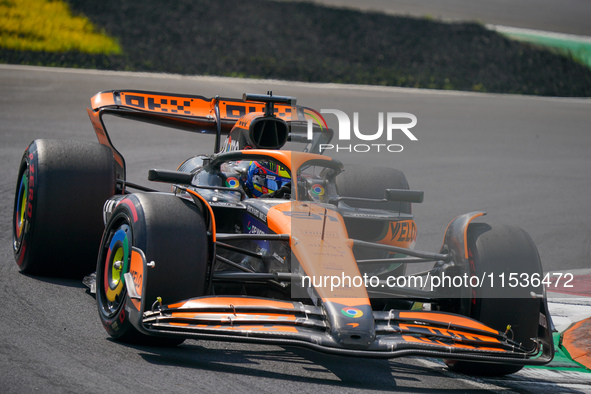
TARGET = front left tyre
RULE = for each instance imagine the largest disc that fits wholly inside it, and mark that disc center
(171, 233)
(503, 252)
(57, 218)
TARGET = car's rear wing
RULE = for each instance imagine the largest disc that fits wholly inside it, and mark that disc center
(197, 114)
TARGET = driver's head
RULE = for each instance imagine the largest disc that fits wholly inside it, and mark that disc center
(265, 177)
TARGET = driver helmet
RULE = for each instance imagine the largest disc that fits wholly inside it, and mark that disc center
(265, 177)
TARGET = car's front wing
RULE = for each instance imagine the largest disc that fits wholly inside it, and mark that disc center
(396, 333)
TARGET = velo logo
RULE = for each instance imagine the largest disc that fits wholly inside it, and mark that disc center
(393, 124)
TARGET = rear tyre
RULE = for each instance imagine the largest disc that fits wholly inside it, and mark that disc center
(172, 233)
(57, 217)
(503, 250)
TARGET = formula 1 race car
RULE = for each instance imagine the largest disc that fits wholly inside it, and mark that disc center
(260, 244)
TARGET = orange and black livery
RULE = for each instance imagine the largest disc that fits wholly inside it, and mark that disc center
(258, 242)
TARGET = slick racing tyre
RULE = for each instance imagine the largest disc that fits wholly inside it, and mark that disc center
(503, 250)
(171, 232)
(57, 218)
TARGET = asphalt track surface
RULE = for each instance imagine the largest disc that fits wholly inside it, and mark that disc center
(564, 16)
(524, 160)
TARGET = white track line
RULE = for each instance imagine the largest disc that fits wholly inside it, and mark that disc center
(540, 33)
(309, 85)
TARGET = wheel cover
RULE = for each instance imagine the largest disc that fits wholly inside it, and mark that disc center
(20, 210)
(115, 265)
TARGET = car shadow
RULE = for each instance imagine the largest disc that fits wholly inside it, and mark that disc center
(297, 365)
(66, 282)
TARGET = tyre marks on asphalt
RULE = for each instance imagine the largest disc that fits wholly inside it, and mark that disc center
(528, 380)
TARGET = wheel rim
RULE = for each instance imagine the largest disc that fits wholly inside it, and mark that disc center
(115, 265)
(20, 211)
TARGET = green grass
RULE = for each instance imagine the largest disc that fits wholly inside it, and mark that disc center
(49, 26)
(578, 49)
(562, 360)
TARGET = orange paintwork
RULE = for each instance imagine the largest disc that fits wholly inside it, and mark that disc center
(401, 233)
(237, 109)
(245, 121)
(234, 301)
(444, 318)
(191, 106)
(465, 233)
(212, 227)
(466, 236)
(231, 109)
(101, 135)
(410, 338)
(259, 328)
(225, 316)
(331, 256)
(136, 268)
(449, 333)
(102, 100)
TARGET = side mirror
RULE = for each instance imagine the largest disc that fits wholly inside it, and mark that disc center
(404, 195)
(181, 178)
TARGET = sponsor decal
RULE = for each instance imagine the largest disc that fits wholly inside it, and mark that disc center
(278, 258)
(226, 204)
(319, 120)
(352, 312)
(318, 189)
(256, 213)
(31, 186)
(175, 105)
(252, 229)
(405, 231)
(21, 205)
(230, 145)
(137, 281)
(131, 205)
(232, 182)
(238, 110)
